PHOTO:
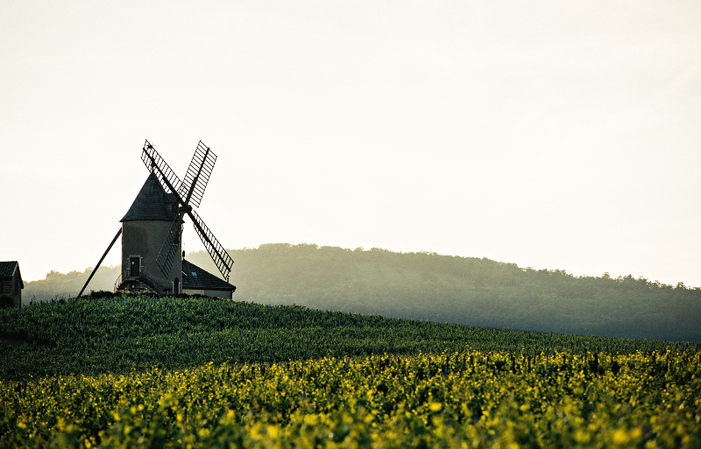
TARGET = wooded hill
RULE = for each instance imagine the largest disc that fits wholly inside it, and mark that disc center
(429, 286)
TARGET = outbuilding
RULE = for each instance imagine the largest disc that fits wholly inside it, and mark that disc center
(11, 284)
(197, 281)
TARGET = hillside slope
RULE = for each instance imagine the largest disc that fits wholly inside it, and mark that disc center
(95, 335)
(428, 286)
(168, 372)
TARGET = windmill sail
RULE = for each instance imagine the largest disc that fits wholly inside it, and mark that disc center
(170, 248)
(197, 176)
(221, 258)
(155, 164)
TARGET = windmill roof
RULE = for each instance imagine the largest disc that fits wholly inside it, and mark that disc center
(152, 203)
(195, 277)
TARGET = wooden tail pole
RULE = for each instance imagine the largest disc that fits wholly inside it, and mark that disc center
(98, 264)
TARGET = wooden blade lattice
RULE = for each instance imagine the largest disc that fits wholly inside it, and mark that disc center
(197, 176)
(155, 163)
(170, 248)
(221, 258)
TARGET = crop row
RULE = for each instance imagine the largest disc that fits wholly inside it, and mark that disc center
(454, 399)
(137, 333)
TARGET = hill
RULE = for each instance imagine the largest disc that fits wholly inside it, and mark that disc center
(97, 335)
(58, 285)
(429, 286)
(135, 371)
(472, 291)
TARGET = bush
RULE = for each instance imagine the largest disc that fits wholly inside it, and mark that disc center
(6, 301)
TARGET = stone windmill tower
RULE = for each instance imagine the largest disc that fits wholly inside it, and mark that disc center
(144, 229)
(152, 229)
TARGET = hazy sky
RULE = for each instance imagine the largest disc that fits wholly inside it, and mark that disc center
(560, 135)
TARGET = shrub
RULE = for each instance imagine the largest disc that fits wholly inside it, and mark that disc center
(6, 301)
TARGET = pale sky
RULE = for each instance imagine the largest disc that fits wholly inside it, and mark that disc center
(560, 135)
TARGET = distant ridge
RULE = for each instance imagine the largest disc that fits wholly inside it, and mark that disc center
(429, 286)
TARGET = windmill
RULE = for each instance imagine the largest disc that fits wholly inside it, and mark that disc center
(152, 228)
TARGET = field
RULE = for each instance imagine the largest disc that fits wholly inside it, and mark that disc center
(173, 372)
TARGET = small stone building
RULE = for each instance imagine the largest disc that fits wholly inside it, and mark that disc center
(197, 281)
(11, 284)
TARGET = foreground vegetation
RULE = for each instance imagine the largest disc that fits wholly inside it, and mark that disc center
(195, 372)
(455, 399)
(429, 286)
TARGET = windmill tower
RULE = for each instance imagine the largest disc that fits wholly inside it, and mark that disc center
(145, 228)
(152, 227)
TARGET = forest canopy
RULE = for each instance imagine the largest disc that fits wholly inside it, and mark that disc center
(429, 286)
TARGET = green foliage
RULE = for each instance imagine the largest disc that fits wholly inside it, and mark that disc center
(133, 371)
(6, 301)
(450, 400)
(138, 332)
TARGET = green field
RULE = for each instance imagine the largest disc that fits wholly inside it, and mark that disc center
(179, 372)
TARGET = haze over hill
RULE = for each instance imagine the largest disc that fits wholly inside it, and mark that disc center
(430, 286)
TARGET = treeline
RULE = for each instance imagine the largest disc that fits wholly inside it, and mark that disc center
(59, 285)
(429, 286)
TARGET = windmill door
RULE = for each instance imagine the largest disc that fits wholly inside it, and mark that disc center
(134, 266)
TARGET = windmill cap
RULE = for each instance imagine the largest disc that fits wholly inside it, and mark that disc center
(152, 203)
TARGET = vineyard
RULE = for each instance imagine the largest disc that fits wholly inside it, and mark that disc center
(189, 372)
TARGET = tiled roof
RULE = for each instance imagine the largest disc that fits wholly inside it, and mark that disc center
(152, 203)
(7, 269)
(195, 277)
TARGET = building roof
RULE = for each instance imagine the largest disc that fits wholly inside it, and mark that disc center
(152, 203)
(196, 278)
(8, 270)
